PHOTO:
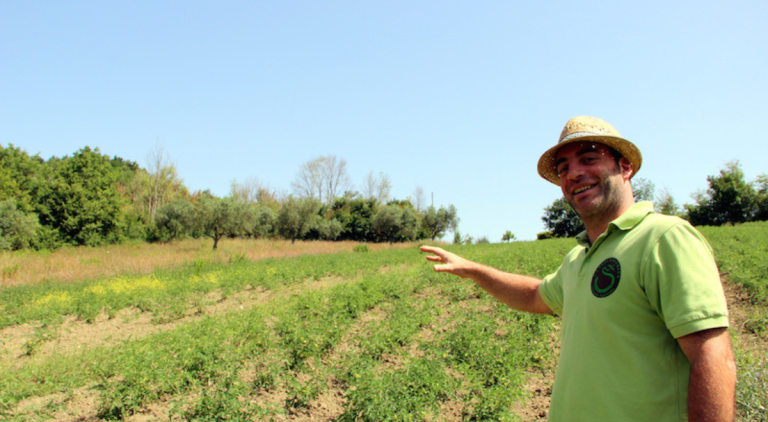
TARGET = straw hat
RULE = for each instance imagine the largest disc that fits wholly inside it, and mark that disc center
(588, 128)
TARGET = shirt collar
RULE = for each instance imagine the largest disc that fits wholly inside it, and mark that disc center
(631, 217)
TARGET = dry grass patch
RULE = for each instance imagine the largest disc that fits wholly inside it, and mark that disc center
(79, 263)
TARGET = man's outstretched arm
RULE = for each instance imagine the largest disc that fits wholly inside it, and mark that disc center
(518, 291)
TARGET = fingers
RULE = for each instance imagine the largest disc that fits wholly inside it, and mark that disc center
(441, 257)
(431, 249)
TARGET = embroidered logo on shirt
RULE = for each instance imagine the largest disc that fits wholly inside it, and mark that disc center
(606, 278)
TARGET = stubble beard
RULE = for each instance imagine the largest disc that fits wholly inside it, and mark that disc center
(605, 206)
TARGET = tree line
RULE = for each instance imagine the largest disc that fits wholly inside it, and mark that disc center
(91, 199)
(729, 199)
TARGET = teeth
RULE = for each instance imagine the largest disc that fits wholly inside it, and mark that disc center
(582, 189)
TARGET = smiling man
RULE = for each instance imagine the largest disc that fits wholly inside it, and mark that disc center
(643, 311)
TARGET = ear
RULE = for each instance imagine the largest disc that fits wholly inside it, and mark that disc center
(626, 169)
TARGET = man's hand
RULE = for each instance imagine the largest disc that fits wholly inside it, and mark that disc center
(518, 291)
(451, 263)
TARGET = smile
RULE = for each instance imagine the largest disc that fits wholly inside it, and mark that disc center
(582, 189)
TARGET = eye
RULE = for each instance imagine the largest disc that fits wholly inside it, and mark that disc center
(561, 170)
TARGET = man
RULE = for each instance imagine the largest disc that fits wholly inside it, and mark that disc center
(643, 312)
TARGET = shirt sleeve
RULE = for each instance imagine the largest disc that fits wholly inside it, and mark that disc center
(551, 291)
(683, 284)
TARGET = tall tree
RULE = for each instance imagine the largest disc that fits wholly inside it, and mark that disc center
(250, 191)
(643, 189)
(729, 199)
(437, 222)
(562, 220)
(378, 187)
(323, 178)
(335, 177)
(419, 201)
(309, 181)
(666, 204)
(24, 177)
(83, 204)
(162, 180)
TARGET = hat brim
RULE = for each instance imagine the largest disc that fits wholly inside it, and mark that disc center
(547, 167)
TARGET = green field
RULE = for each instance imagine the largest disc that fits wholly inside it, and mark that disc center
(366, 336)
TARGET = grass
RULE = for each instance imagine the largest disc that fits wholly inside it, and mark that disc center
(388, 339)
(70, 264)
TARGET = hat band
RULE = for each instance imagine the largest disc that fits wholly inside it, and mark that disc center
(584, 135)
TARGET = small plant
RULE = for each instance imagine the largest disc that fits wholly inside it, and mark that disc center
(361, 248)
(42, 335)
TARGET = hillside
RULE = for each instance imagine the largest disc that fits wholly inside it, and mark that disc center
(344, 336)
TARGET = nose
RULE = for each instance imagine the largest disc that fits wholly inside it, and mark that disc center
(574, 172)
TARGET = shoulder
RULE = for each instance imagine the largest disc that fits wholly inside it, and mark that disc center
(660, 227)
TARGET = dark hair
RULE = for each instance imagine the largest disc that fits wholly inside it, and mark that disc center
(616, 154)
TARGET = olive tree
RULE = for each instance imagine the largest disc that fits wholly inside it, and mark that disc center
(297, 216)
(436, 222)
(395, 222)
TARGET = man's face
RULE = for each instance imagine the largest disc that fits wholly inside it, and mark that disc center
(591, 179)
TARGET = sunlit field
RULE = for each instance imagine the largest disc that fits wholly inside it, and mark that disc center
(78, 263)
(269, 331)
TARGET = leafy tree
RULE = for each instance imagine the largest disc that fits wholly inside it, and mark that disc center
(215, 217)
(23, 178)
(297, 216)
(562, 220)
(162, 182)
(508, 237)
(544, 235)
(666, 204)
(174, 219)
(17, 228)
(729, 199)
(437, 222)
(82, 203)
(642, 189)
(761, 213)
(157, 185)
(263, 221)
(396, 222)
(354, 215)
(329, 229)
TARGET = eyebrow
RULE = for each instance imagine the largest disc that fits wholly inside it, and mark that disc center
(586, 149)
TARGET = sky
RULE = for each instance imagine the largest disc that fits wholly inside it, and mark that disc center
(458, 98)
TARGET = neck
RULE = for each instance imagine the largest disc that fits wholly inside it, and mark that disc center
(598, 224)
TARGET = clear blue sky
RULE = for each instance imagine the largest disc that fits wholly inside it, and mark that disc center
(460, 98)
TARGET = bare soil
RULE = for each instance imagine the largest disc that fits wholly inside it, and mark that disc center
(81, 404)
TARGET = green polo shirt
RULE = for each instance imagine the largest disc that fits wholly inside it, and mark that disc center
(647, 280)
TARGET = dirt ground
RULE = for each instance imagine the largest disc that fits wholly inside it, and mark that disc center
(81, 404)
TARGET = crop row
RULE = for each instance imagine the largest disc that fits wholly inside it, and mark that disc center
(434, 342)
(391, 341)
